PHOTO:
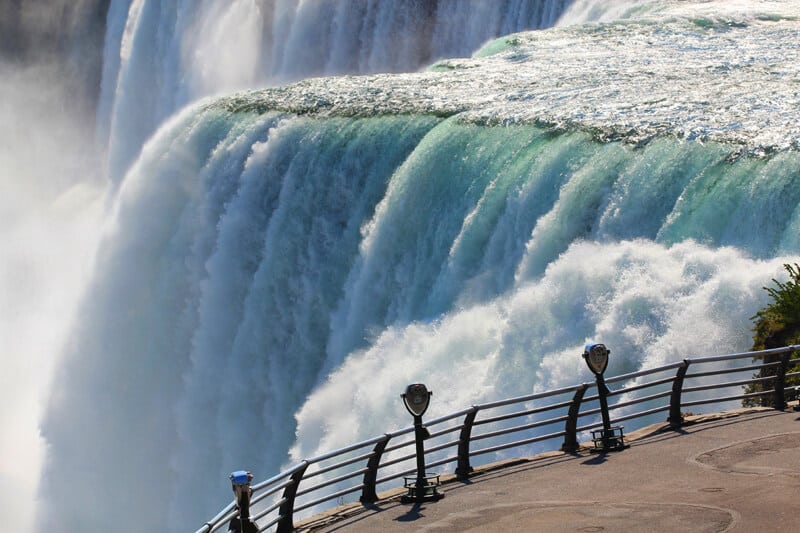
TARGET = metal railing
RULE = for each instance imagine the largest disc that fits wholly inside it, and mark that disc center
(553, 415)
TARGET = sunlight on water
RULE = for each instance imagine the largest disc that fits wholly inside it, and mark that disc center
(273, 255)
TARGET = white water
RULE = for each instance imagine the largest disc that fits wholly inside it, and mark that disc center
(160, 56)
(262, 251)
(263, 270)
(50, 206)
(157, 57)
(654, 305)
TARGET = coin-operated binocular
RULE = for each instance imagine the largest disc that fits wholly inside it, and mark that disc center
(240, 483)
(423, 487)
(610, 438)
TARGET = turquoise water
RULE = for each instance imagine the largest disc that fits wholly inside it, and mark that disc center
(280, 263)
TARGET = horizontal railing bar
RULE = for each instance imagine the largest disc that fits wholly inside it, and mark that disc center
(726, 384)
(715, 358)
(398, 460)
(329, 497)
(284, 474)
(594, 424)
(724, 399)
(760, 393)
(520, 428)
(269, 509)
(595, 397)
(527, 412)
(346, 449)
(264, 494)
(588, 399)
(730, 370)
(517, 443)
(644, 385)
(406, 457)
(446, 431)
(632, 375)
(270, 524)
(621, 418)
(337, 466)
(396, 475)
(442, 446)
(445, 418)
(589, 412)
(331, 481)
(719, 358)
(537, 396)
(440, 462)
(218, 518)
(640, 414)
(399, 446)
(643, 399)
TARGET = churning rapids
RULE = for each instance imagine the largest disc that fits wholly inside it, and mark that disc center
(688, 71)
(280, 263)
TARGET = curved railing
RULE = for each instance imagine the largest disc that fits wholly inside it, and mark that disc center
(512, 423)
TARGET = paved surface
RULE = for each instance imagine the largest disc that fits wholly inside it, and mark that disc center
(737, 472)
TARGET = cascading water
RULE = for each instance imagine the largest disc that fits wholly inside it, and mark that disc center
(280, 263)
(177, 52)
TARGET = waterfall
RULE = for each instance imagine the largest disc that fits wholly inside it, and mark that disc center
(177, 52)
(371, 194)
(258, 257)
(83, 85)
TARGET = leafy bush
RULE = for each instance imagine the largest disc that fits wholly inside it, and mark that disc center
(777, 325)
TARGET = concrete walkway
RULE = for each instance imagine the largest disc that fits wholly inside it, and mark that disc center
(737, 471)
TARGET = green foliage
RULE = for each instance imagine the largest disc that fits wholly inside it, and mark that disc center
(777, 325)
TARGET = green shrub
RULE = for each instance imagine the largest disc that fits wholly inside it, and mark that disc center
(777, 325)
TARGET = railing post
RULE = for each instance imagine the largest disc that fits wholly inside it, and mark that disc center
(286, 511)
(675, 417)
(368, 493)
(780, 382)
(571, 429)
(464, 468)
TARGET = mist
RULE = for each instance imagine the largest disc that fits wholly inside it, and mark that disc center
(178, 278)
(51, 206)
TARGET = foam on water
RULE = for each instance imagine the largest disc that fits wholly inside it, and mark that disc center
(692, 73)
(160, 56)
(652, 304)
(280, 263)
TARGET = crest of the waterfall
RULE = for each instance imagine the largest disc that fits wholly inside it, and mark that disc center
(582, 11)
(160, 56)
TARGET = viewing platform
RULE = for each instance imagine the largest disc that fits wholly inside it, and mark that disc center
(736, 471)
(722, 470)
